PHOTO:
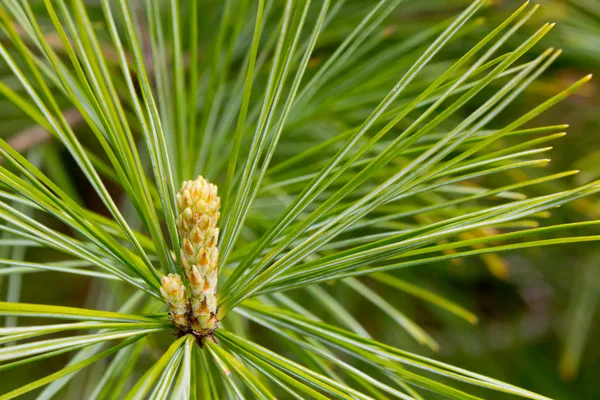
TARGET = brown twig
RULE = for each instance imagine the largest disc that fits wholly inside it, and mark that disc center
(35, 135)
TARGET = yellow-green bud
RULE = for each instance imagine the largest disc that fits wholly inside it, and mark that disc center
(199, 205)
(173, 292)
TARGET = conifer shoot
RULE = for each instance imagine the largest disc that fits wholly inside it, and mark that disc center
(198, 206)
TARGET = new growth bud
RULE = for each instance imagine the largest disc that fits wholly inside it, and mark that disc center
(173, 292)
(199, 205)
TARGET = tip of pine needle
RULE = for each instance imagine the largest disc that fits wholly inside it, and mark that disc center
(569, 173)
(433, 345)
